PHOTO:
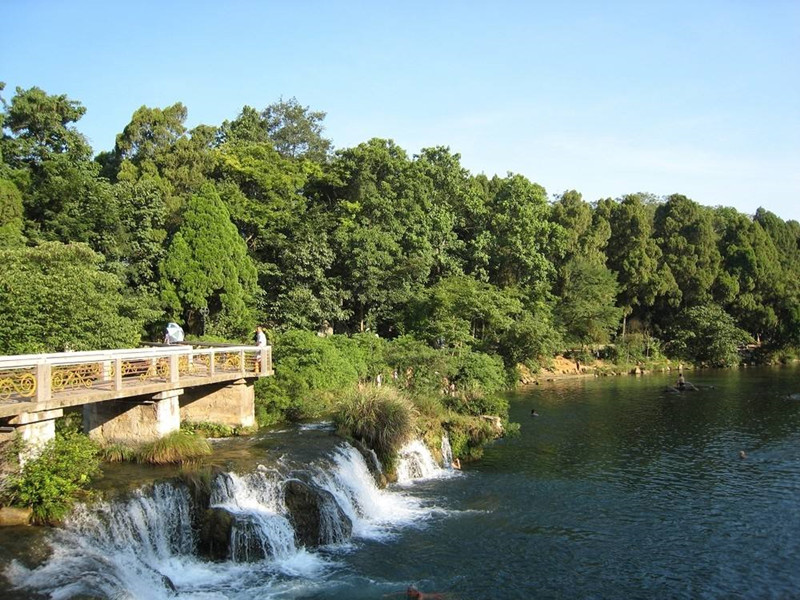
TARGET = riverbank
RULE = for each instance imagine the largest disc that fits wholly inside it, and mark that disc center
(561, 367)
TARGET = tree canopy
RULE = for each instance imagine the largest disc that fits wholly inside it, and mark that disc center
(260, 220)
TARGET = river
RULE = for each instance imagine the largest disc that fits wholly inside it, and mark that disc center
(617, 489)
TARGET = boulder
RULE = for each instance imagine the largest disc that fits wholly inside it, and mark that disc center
(316, 516)
(215, 533)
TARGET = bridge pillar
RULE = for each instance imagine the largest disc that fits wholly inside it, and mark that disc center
(36, 428)
(230, 404)
(133, 422)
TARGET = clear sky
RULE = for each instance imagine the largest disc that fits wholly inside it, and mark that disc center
(694, 97)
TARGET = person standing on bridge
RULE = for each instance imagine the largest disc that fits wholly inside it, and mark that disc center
(261, 342)
(260, 337)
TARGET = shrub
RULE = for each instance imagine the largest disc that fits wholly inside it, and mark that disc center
(177, 447)
(308, 369)
(478, 371)
(379, 417)
(49, 482)
(477, 403)
(209, 430)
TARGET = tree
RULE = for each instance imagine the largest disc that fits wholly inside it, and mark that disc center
(381, 231)
(207, 267)
(586, 308)
(56, 296)
(296, 131)
(635, 257)
(49, 161)
(522, 237)
(707, 335)
(684, 232)
(10, 214)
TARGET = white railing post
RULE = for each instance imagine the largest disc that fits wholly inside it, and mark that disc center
(43, 382)
(241, 362)
(117, 374)
(174, 369)
(211, 365)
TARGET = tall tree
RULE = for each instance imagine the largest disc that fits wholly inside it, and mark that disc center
(296, 130)
(207, 267)
(635, 257)
(685, 233)
(382, 230)
(522, 236)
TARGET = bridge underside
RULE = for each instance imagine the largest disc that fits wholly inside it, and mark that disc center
(147, 417)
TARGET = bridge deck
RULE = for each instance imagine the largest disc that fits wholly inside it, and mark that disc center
(39, 382)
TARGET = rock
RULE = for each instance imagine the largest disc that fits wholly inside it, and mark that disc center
(11, 516)
(215, 534)
(316, 516)
(497, 422)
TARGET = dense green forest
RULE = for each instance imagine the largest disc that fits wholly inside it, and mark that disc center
(259, 220)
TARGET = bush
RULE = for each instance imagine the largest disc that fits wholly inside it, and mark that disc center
(308, 369)
(209, 430)
(477, 403)
(379, 417)
(709, 336)
(50, 482)
(478, 371)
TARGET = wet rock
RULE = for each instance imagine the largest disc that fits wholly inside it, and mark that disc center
(316, 516)
(215, 533)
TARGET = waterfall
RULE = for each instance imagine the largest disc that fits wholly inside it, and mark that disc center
(148, 545)
(116, 549)
(416, 462)
(260, 528)
(447, 452)
(372, 510)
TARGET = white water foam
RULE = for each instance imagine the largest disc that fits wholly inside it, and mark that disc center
(373, 512)
(144, 547)
(415, 462)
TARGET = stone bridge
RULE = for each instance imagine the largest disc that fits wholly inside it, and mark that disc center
(130, 396)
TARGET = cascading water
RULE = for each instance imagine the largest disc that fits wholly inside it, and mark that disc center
(416, 462)
(147, 546)
(447, 452)
(260, 528)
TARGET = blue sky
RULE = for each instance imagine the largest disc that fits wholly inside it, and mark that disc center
(700, 98)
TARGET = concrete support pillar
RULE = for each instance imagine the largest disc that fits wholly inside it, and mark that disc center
(133, 422)
(226, 404)
(36, 428)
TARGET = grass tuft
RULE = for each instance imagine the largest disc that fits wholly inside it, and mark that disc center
(380, 417)
(175, 448)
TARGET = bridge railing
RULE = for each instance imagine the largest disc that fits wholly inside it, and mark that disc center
(38, 377)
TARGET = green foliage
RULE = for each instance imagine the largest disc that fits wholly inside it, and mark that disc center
(476, 403)
(10, 214)
(207, 266)
(56, 296)
(478, 372)
(208, 430)
(380, 417)
(707, 335)
(587, 309)
(308, 369)
(176, 448)
(49, 482)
